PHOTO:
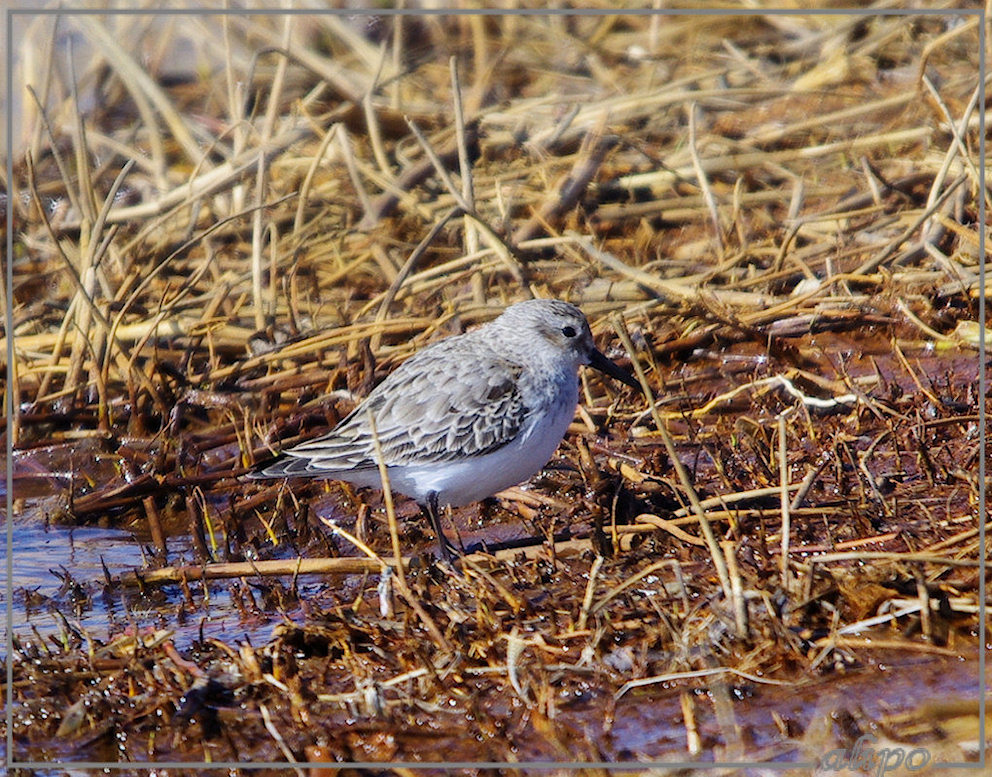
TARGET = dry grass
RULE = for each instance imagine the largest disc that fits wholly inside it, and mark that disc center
(775, 218)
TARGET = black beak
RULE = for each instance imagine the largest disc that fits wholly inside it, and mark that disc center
(601, 363)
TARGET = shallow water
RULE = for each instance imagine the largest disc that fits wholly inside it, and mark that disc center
(59, 579)
(41, 555)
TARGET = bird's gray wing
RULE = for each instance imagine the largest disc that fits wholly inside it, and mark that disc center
(446, 402)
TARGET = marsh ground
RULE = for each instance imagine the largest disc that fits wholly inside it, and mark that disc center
(231, 227)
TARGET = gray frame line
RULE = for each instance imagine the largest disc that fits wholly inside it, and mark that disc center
(500, 12)
(982, 389)
(8, 325)
(541, 765)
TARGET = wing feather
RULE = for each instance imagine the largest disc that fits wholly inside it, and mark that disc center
(447, 402)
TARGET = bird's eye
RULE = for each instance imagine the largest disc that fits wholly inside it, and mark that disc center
(568, 331)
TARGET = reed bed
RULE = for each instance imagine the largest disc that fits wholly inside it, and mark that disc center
(773, 219)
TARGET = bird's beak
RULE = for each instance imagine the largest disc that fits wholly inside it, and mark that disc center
(601, 363)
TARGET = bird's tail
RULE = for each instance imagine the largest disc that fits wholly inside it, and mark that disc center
(279, 467)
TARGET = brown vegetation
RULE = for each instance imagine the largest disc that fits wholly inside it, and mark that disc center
(774, 219)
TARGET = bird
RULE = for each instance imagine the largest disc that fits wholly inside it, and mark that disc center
(465, 417)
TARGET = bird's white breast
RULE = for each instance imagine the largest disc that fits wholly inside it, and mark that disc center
(460, 482)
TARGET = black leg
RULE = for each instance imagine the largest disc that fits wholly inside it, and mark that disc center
(448, 550)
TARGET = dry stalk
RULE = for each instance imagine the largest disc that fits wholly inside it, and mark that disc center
(464, 161)
(693, 743)
(404, 273)
(704, 184)
(870, 265)
(738, 605)
(394, 536)
(566, 192)
(147, 94)
(490, 236)
(785, 505)
(372, 120)
(704, 524)
(339, 566)
(715, 672)
(590, 590)
(356, 181)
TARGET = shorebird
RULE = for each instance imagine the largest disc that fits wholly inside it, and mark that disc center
(465, 417)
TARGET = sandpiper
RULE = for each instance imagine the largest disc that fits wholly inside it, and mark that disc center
(465, 417)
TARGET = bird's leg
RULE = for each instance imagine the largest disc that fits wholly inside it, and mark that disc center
(448, 550)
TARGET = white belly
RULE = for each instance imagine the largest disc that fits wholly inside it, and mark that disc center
(469, 480)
